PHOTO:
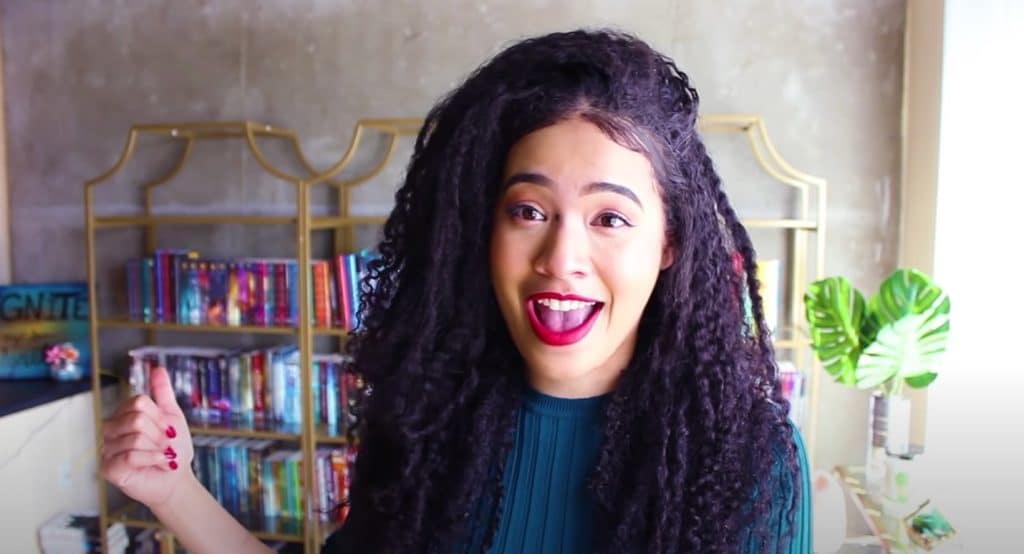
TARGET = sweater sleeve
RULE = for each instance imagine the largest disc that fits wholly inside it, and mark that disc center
(785, 540)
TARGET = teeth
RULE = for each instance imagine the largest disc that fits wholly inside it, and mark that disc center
(564, 305)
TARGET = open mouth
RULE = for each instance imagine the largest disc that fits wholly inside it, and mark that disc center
(561, 320)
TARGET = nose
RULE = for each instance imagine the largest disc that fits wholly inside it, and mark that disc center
(564, 253)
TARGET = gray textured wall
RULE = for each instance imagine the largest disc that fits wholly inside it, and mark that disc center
(826, 75)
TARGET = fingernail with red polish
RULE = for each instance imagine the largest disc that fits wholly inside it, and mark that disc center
(170, 454)
(171, 433)
(173, 464)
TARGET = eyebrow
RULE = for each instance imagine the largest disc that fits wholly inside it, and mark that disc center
(590, 188)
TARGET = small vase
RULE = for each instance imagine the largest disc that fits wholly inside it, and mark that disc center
(66, 371)
(874, 465)
(888, 435)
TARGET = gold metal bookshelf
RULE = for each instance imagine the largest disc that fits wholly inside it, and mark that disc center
(308, 434)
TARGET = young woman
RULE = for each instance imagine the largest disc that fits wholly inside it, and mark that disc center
(556, 339)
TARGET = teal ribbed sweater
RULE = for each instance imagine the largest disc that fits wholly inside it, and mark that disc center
(546, 507)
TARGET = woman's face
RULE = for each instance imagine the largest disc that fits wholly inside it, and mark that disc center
(578, 242)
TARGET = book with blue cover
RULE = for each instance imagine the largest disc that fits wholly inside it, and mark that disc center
(34, 317)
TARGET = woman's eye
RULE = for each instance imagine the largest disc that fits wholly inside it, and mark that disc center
(527, 212)
(612, 220)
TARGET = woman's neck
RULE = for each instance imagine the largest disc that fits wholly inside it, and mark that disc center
(586, 386)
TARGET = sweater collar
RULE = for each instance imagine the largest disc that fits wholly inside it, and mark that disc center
(538, 402)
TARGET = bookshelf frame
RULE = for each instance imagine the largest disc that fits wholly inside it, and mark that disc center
(343, 238)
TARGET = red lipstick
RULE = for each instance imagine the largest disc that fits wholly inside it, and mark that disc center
(561, 338)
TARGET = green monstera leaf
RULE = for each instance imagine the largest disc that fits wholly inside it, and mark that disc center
(908, 349)
(913, 314)
(906, 292)
(835, 313)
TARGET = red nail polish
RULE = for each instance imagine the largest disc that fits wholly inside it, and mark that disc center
(173, 464)
(170, 454)
(171, 433)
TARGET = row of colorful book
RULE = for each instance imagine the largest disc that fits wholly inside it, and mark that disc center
(263, 479)
(263, 385)
(177, 286)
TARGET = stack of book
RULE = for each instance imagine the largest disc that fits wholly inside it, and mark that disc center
(68, 533)
(177, 286)
(261, 479)
(253, 385)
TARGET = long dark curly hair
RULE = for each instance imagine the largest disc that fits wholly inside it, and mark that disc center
(696, 424)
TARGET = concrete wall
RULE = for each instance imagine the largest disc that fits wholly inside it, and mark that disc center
(826, 76)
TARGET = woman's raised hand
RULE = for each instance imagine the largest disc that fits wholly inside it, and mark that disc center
(147, 448)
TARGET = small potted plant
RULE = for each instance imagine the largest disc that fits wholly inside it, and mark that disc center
(895, 339)
(63, 361)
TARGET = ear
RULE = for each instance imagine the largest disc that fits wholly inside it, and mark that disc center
(668, 255)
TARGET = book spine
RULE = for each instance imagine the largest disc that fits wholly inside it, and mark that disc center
(159, 281)
(259, 293)
(342, 284)
(246, 281)
(213, 391)
(217, 314)
(215, 462)
(352, 270)
(234, 385)
(195, 386)
(234, 316)
(203, 276)
(255, 463)
(242, 465)
(148, 294)
(269, 294)
(332, 295)
(281, 487)
(258, 384)
(293, 293)
(269, 489)
(203, 373)
(293, 405)
(280, 307)
(331, 375)
(193, 294)
(321, 302)
(278, 388)
(245, 385)
(317, 391)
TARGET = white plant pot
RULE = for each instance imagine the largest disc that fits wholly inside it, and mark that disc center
(888, 434)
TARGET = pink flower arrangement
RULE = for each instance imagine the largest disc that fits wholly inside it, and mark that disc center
(60, 354)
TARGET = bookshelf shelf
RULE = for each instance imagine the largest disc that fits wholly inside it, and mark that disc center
(107, 222)
(246, 429)
(136, 515)
(801, 224)
(791, 344)
(300, 225)
(322, 223)
(244, 329)
(325, 436)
